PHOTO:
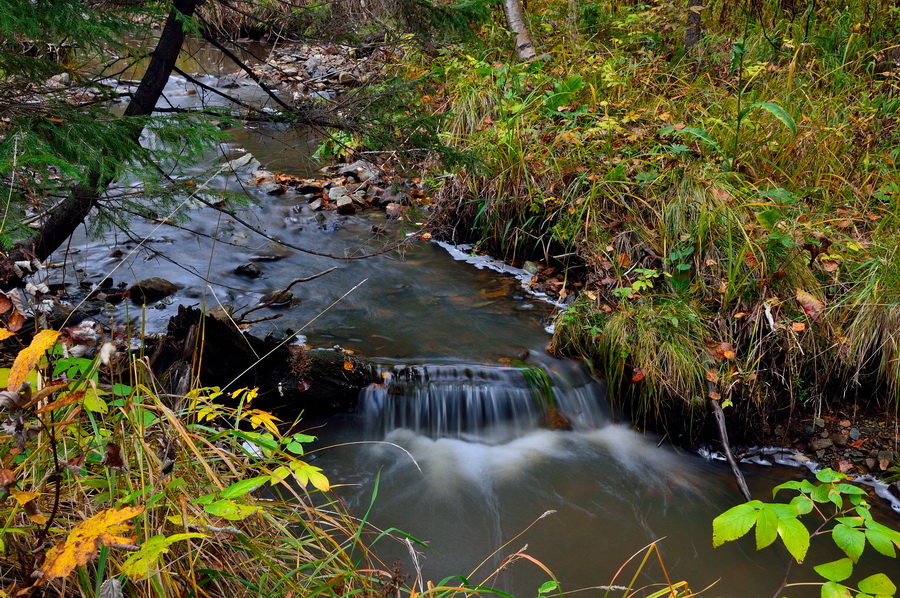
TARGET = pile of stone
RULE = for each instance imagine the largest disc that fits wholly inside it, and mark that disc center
(347, 189)
(321, 71)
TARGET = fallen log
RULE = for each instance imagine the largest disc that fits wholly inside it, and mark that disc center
(203, 350)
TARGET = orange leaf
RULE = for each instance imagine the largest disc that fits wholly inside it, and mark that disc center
(712, 376)
(45, 392)
(5, 334)
(28, 357)
(68, 399)
(5, 303)
(348, 365)
(15, 321)
(82, 542)
(715, 396)
(798, 326)
(638, 375)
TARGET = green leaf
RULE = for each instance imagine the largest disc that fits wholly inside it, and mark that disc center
(138, 565)
(829, 475)
(878, 584)
(849, 489)
(766, 527)
(795, 537)
(803, 504)
(778, 112)
(881, 542)
(838, 570)
(228, 509)
(548, 586)
(851, 541)
(734, 523)
(892, 535)
(804, 486)
(92, 402)
(244, 486)
(833, 589)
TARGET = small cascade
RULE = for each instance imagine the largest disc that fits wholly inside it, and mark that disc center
(484, 402)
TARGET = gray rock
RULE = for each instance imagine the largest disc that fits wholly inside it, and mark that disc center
(337, 192)
(531, 267)
(820, 444)
(395, 196)
(272, 188)
(840, 439)
(312, 64)
(250, 270)
(316, 205)
(854, 434)
(278, 298)
(245, 163)
(151, 289)
(272, 252)
(345, 205)
(360, 170)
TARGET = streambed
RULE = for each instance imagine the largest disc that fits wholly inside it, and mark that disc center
(463, 480)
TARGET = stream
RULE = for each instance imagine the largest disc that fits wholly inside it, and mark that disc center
(452, 449)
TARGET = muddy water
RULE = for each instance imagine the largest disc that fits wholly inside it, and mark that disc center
(466, 482)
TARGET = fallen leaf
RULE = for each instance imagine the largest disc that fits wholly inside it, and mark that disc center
(66, 399)
(28, 357)
(712, 376)
(720, 351)
(112, 457)
(348, 365)
(812, 305)
(715, 396)
(15, 321)
(845, 423)
(798, 326)
(638, 375)
(830, 265)
(5, 303)
(23, 498)
(857, 443)
(5, 334)
(7, 479)
(844, 466)
(81, 545)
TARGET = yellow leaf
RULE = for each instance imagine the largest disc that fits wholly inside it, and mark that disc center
(812, 305)
(261, 418)
(81, 545)
(23, 497)
(5, 334)
(28, 357)
(145, 561)
(348, 365)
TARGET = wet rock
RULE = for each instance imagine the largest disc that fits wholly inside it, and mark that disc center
(250, 270)
(360, 170)
(345, 205)
(531, 267)
(394, 196)
(393, 211)
(271, 252)
(151, 289)
(244, 164)
(820, 444)
(272, 188)
(277, 298)
(221, 312)
(316, 205)
(336, 193)
(306, 188)
(228, 82)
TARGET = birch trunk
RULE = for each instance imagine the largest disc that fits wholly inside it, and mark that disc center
(515, 19)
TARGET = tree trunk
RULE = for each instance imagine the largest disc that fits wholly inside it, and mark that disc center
(72, 211)
(692, 35)
(515, 19)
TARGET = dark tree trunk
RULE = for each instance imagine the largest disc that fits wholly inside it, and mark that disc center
(693, 33)
(72, 211)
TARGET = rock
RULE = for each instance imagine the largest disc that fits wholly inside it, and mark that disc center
(316, 205)
(272, 252)
(227, 82)
(272, 188)
(840, 439)
(820, 444)
(244, 163)
(307, 187)
(337, 192)
(395, 196)
(348, 79)
(531, 267)
(250, 270)
(360, 170)
(345, 205)
(393, 211)
(854, 434)
(151, 289)
(871, 464)
(312, 64)
(60, 81)
(277, 298)
(221, 312)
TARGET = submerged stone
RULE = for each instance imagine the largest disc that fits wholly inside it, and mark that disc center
(151, 289)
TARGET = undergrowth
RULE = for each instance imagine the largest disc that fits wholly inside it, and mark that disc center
(733, 206)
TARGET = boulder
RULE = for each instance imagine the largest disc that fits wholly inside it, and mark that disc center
(151, 289)
(250, 270)
(345, 205)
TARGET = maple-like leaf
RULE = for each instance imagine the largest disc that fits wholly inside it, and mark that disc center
(28, 357)
(81, 545)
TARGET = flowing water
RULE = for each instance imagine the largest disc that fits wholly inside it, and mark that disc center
(457, 443)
